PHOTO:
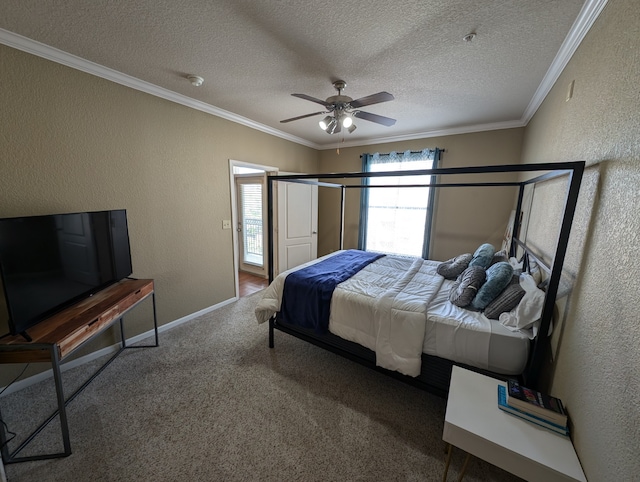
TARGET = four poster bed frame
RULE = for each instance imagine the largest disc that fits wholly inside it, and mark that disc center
(436, 372)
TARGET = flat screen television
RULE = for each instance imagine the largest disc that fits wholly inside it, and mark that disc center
(48, 263)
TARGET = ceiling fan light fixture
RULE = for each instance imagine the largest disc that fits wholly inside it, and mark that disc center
(324, 123)
(347, 121)
(333, 127)
(351, 128)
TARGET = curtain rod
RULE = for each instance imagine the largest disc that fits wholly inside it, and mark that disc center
(410, 152)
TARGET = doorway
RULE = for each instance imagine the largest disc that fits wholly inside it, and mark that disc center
(249, 221)
(295, 224)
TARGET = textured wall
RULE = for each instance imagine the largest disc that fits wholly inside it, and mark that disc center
(465, 217)
(597, 368)
(70, 142)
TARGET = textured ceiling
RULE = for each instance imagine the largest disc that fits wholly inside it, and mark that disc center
(254, 54)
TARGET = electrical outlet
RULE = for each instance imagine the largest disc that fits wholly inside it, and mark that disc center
(226, 224)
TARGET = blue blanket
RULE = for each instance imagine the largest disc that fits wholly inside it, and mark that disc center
(306, 297)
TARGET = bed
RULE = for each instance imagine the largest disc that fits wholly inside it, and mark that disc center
(395, 315)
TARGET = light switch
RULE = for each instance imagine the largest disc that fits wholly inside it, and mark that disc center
(226, 224)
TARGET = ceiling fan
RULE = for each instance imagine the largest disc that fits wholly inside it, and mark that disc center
(342, 109)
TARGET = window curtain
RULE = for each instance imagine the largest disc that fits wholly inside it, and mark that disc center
(394, 161)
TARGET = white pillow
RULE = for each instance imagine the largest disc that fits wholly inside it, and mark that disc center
(529, 310)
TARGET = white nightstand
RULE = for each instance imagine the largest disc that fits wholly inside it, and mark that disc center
(475, 424)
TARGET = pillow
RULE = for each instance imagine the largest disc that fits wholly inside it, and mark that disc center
(466, 286)
(498, 277)
(483, 256)
(499, 257)
(453, 267)
(534, 270)
(505, 301)
(529, 310)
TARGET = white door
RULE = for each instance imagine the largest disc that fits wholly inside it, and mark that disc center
(297, 224)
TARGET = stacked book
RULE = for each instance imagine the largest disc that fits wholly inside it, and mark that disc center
(533, 406)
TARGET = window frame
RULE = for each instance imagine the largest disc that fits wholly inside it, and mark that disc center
(431, 154)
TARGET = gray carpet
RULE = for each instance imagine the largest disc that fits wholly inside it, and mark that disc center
(214, 403)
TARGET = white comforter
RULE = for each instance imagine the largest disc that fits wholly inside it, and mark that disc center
(393, 292)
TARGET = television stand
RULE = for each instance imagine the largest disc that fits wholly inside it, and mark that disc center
(53, 340)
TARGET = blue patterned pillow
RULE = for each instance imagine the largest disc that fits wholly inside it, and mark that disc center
(498, 277)
(483, 256)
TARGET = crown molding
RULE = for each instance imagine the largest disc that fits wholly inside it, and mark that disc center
(427, 134)
(55, 55)
(586, 18)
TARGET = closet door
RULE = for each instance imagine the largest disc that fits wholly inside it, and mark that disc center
(297, 224)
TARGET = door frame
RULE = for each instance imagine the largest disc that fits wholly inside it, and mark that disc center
(234, 216)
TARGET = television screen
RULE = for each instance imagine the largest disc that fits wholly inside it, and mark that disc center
(49, 262)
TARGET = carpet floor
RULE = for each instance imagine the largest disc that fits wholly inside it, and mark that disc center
(214, 403)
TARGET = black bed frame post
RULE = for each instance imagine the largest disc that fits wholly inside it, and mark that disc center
(270, 245)
(271, 331)
(270, 226)
(342, 204)
(515, 232)
(541, 342)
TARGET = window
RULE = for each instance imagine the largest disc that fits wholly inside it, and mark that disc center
(397, 220)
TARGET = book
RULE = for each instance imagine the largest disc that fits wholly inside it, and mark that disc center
(537, 403)
(502, 405)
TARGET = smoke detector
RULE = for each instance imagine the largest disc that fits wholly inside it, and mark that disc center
(195, 80)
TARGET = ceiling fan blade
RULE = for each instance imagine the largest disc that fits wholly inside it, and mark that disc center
(379, 119)
(303, 116)
(372, 99)
(313, 99)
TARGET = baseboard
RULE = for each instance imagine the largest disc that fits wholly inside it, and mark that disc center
(38, 377)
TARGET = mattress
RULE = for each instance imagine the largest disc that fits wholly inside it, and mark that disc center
(502, 350)
(398, 303)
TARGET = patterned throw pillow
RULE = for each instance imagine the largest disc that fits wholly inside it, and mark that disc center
(483, 256)
(453, 267)
(498, 277)
(466, 286)
(506, 301)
